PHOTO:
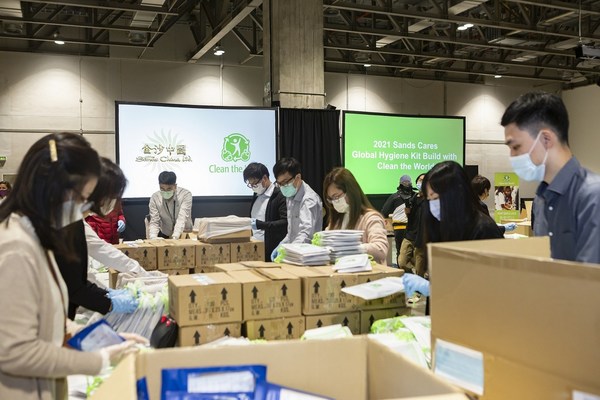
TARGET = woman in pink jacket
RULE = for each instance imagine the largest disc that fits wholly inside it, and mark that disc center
(349, 208)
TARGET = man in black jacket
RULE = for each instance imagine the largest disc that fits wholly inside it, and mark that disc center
(268, 210)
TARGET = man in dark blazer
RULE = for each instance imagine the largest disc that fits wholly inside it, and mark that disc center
(268, 210)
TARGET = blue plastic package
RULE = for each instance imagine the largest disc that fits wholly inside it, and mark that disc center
(237, 382)
(95, 337)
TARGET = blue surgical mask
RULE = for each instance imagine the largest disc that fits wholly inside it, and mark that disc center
(434, 207)
(419, 186)
(524, 166)
(288, 190)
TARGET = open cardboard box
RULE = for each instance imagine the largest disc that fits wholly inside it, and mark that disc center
(356, 368)
(535, 320)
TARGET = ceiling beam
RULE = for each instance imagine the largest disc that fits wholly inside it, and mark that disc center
(107, 5)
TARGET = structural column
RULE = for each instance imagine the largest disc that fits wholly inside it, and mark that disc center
(293, 53)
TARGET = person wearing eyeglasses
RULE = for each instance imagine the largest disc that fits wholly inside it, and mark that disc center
(304, 206)
(268, 211)
(349, 208)
(170, 208)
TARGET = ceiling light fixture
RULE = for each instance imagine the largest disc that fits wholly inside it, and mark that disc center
(464, 27)
(366, 65)
(497, 76)
(218, 50)
(57, 39)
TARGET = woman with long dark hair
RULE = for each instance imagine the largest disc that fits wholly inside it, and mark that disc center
(54, 182)
(349, 208)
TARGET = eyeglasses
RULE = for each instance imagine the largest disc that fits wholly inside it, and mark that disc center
(289, 181)
(253, 185)
(336, 197)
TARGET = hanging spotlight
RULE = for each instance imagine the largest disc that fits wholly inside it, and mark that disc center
(366, 65)
(57, 40)
(218, 50)
(464, 27)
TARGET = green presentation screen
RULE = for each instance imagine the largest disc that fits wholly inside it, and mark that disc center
(380, 148)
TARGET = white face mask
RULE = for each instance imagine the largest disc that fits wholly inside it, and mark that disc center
(341, 205)
(259, 189)
(72, 211)
(434, 207)
(524, 166)
(108, 207)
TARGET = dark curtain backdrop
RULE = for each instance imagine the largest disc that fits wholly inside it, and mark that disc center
(313, 138)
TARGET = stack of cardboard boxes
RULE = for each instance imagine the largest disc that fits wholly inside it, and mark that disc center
(279, 301)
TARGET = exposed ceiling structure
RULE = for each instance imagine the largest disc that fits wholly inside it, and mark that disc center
(457, 40)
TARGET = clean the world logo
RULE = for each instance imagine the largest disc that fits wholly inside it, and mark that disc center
(236, 147)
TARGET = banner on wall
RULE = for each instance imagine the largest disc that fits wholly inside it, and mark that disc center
(506, 192)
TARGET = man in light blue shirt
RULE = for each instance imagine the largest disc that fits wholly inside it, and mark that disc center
(567, 202)
(304, 206)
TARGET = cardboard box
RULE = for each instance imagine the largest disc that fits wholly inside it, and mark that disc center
(322, 290)
(175, 253)
(241, 236)
(535, 319)
(349, 319)
(268, 293)
(182, 271)
(253, 250)
(262, 264)
(285, 328)
(113, 275)
(201, 299)
(523, 226)
(144, 253)
(367, 317)
(356, 368)
(205, 269)
(230, 267)
(207, 255)
(380, 272)
(202, 334)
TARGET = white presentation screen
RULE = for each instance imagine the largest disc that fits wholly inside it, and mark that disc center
(379, 148)
(208, 148)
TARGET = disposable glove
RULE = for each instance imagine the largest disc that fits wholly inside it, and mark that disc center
(135, 337)
(116, 292)
(253, 224)
(124, 303)
(511, 226)
(120, 226)
(111, 355)
(274, 254)
(414, 283)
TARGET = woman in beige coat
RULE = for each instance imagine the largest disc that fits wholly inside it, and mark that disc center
(349, 208)
(55, 178)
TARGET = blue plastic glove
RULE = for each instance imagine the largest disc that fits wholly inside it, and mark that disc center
(511, 226)
(253, 224)
(120, 226)
(274, 254)
(116, 292)
(124, 303)
(414, 283)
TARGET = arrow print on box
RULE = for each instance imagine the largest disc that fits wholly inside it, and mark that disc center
(192, 297)
(290, 328)
(254, 292)
(284, 290)
(226, 332)
(261, 331)
(224, 294)
(319, 323)
(196, 338)
(316, 287)
(345, 321)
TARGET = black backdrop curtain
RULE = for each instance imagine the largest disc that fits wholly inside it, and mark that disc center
(313, 138)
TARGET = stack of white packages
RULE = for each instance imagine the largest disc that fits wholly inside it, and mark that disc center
(217, 226)
(153, 302)
(356, 263)
(343, 242)
(304, 254)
